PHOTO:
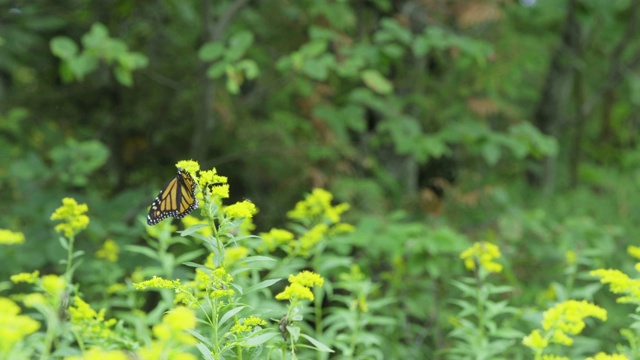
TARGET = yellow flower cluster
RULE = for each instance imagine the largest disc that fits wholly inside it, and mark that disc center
(89, 323)
(620, 283)
(13, 326)
(54, 285)
(97, 353)
(634, 251)
(274, 238)
(157, 283)
(603, 356)
(233, 254)
(482, 254)
(301, 285)
(318, 205)
(29, 278)
(242, 209)
(561, 321)
(171, 335)
(72, 216)
(190, 166)
(8, 237)
(109, 251)
(313, 236)
(247, 324)
(217, 184)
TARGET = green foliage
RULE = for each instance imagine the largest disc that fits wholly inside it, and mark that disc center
(426, 119)
(97, 46)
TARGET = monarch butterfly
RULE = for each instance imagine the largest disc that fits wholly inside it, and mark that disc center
(177, 199)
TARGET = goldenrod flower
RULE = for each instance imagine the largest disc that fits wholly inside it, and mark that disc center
(89, 323)
(620, 283)
(157, 283)
(233, 254)
(342, 228)
(115, 288)
(300, 286)
(209, 179)
(13, 326)
(562, 321)
(535, 340)
(174, 325)
(8, 237)
(295, 291)
(247, 324)
(72, 216)
(97, 353)
(54, 285)
(313, 236)
(570, 257)
(28, 278)
(482, 253)
(306, 278)
(274, 238)
(34, 300)
(109, 251)
(190, 166)
(634, 251)
(604, 356)
(242, 209)
(317, 205)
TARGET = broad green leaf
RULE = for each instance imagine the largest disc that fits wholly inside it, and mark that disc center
(123, 76)
(241, 40)
(63, 47)
(320, 346)
(249, 68)
(260, 339)
(261, 285)
(96, 37)
(376, 82)
(217, 69)
(229, 314)
(211, 51)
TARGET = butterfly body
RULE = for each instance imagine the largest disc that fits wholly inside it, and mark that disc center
(176, 199)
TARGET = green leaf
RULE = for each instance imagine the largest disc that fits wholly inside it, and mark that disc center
(261, 285)
(376, 82)
(189, 256)
(230, 314)
(96, 37)
(260, 339)
(313, 48)
(63, 47)
(192, 229)
(216, 70)
(241, 41)
(249, 68)
(211, 51)
(150, 253)
(206, 353)
(123, 76)
(320, 346)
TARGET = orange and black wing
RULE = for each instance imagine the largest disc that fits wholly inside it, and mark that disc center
(177, 199)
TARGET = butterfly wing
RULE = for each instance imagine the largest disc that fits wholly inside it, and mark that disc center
(176, 199)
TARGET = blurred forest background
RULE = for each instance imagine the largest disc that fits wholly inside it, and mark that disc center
(441, 122)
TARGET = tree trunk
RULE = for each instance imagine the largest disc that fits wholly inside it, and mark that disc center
(555, 96)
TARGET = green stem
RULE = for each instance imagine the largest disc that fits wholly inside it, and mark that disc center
(67, 273)
(52, 326)
(480, 304)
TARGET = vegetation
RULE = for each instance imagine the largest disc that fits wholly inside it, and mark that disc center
(427, 179)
